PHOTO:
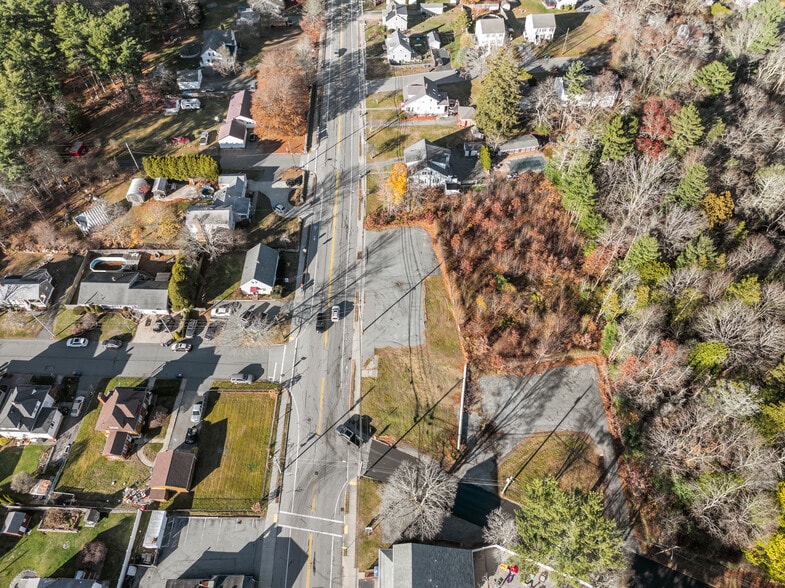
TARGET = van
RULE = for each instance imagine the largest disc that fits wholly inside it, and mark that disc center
(241, 379)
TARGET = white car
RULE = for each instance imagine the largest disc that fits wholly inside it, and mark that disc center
(279, 208)
(196, 413)
(221, 311)
(76, 407)
(335, 313)
(204, 138)
(76, 342)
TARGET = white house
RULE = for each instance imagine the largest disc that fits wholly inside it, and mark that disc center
(434, 41)
(247, 16)
(396, 18)
(259, 271)
(490, 32)
(29, 413)
(32, 290)
(428, 165)
(398, 48)
(189, 79)
(232, 189)
(213, 42)
(539, 27)
(432, 9)
(599, 91)
(560, 4)
(423, 98)
(232, 135)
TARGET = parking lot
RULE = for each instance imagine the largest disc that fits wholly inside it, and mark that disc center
(200, 547)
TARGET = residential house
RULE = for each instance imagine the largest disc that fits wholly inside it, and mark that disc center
(216, 42)
(189, 79)
(539, 27)
(410, 565)
(32, 290)
(122, 416)
(205, 221)
(434, 41)
(398, 48)
(490, 32)
(247, 16)
(466, 116)
(599, 91)
(172, 473)
(132, 290)
(232, 134)
(29, 414)
(432, 9)
(560, 4)
(16, 523)
(424, 98)
(259, 271)
(520, 144)
(240, 109)
(232, 192)
(428, 165)
(395, 17)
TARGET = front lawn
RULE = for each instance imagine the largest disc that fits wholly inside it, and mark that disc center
(56, 554)
(222, 277)
(415, 395)
(384, 100)
(389, 142)
(18, 325)
(16, 459)
(271, 229)
(114, 324)
(234, 445)
(569, 457)
(369, 496)
(90, 475)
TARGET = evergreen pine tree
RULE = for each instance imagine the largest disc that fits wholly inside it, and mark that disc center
(687, 130)
(619, 137)
(498, 105)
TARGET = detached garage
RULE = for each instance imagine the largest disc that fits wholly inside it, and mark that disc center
(259, 271)
(232, 135)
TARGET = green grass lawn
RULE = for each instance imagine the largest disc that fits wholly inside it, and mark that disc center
(415, 395)
(234, 444)
(18, 459)
(56, 554)
(389, 142)
(384, 100)
(441, 22)
(222, 277)
(18, 325)
(87, 473)
(66, 319)
(275, 231)
(369, 500)
(569, 457)
(114, 324)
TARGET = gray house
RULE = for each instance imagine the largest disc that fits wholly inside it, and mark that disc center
(16, 523)
(259, 271)
(32, 290)
(409, 565)
(398, 48)
(213, 41)
(396, 17)
(428, 165)
(29, 413)
(117, 290)
(520, 144)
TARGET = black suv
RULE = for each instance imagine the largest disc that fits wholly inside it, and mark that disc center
(357, 429)
(321, 322)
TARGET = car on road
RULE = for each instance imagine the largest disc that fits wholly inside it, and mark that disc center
(196, 412)
(222, 311)
(253, 138)
(204, 138)
(279, 208)
(182, 347)
(335, 313)
(241, 378)
(321, 322)
(191, 436)
(356, 430)
(76, 407)
(113, 343)
(67, 449)
(77, 342)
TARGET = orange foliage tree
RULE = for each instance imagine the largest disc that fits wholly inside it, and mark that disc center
(280, 102)
(397, 183)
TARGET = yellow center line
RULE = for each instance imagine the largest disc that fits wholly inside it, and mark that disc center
(310, 555)
(335, 226)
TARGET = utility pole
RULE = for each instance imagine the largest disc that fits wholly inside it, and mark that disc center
(132, 157)
(567, 36)
(508, 481)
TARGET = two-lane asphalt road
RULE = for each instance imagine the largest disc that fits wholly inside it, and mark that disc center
(312, 533)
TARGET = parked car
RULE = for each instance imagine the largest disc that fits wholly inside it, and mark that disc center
(182, 347)
(113, 343)
(76, 407)
(222, 311)
(335, 313)
(279, 208)
(321, 322)
(241, 378)
(356, 430)
(190, 329)
(247, 317)
(204, 138)
(212, 331)
(196, 412)
(76, 342)
(191, 436)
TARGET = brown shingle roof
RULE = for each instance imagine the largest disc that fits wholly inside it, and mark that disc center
(239, 105)
(121, 410)
(115, 444)
(173, 470)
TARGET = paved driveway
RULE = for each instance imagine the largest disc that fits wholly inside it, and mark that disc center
(200, 547)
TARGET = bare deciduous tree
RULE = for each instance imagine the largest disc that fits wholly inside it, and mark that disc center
(212, 243)
(500, 529)
(678, 228)
(23, 482)
(225, 64)
(417, 498)
(475, 64)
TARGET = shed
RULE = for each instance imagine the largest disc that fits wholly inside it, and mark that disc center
(171, 107)
(155, 530)
(137, 191)
(259, 271)
(16, 523)
(95, 217)
(159, 188)
(189, 79)
(173, 471)
(520, 144)
(91, 517)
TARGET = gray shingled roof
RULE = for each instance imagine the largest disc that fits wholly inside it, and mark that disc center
(23, 410)
(231, 192)
(396, 39)
(123, 289)
(30, 286)
(490, 26)
(426, 566)
(424, 87)
(543, 21)
(261, 264)
(214, 39)
(520, 142)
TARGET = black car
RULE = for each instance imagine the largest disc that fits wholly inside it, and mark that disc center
(321, 322)
(113, 343)
(357, 429)
(212, 331)
(350, 435)
(247, 317)
(192, 436)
